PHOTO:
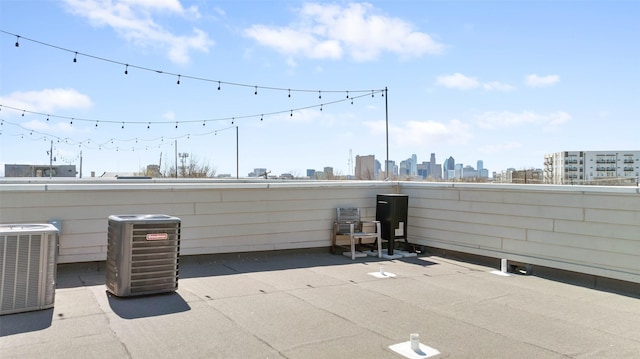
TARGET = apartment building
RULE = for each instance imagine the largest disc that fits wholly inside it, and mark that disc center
(592, 167)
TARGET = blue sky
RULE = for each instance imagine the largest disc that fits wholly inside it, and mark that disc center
(500, 81)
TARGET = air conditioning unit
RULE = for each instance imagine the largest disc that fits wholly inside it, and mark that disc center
(143, 253)
(28, 259)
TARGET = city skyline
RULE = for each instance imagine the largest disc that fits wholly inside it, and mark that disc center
(301, 83)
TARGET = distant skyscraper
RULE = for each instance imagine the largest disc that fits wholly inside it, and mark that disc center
(393, 169)
(405, 168)
(432, 167)
(365, 167)
(457, 171)
(414, 165)
(423, 170)
(448, 165)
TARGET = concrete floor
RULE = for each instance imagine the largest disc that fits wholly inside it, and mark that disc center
(311, 304)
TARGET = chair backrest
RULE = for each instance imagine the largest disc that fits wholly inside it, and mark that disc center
(346, 216)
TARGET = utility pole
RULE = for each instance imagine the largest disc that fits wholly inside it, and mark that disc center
(51, 159)
(237, 154)
(183, 156)
(176, 151)
(80, 164)
(386, 115)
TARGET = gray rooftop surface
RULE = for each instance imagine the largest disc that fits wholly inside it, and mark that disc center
(311, 304)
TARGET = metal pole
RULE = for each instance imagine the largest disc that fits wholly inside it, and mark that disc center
(237, 155)
(176, 147)
(51, 161)
(386, 113)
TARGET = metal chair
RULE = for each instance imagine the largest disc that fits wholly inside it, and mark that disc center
(349, 229)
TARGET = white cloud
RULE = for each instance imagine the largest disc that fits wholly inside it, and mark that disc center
(462, 82)
(497, 86)
(169, 115)
(509, 119)
(47, 100)
(324, 31)
(500, 147)
(132, 19)
(413, 133)
(458, 81)
(54, 127)
(534, 80)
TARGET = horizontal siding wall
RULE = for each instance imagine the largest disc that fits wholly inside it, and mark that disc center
(215, 217)
(593, 230)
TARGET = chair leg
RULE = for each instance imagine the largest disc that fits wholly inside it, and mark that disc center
(353, 243)
(379, 240)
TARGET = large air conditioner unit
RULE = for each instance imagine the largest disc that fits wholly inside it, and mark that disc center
(28, 259)
(142, 254)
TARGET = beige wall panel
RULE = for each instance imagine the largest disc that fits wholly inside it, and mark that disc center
(598, 229)
(602, 244)
(582, 256)
(484, 218)
(459, 239)
(618, 216)
(522, 210)
(628, 201)
(489, 230)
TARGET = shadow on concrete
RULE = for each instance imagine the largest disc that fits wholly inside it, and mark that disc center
(419, 260)
(210, 265)
(147, 306)
(25, 322)
(238, 263)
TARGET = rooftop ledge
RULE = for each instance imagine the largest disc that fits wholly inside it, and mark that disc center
(591, 230)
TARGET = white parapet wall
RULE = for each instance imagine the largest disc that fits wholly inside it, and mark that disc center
(587, 229)
(216, 216)
(592, 230)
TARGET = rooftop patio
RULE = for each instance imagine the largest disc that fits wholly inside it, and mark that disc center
(256, 278)
(311, 304)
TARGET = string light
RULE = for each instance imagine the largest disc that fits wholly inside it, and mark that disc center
(259, 115)
(256, 92)
(126, 69)
(75, 58)
(127, 65)
(178, 80)
(319, 95)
